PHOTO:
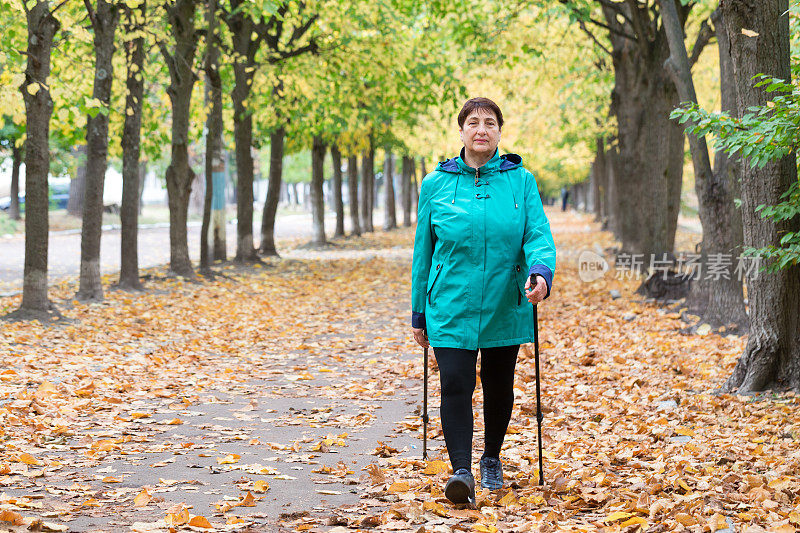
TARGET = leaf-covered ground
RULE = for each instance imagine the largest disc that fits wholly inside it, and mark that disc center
(287, 398)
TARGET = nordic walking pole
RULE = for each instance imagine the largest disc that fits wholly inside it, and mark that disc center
(539, 415)
(425, 409)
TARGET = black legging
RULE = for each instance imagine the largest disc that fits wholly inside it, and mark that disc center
(457, 375)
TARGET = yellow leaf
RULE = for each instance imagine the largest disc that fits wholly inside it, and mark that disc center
(46, 388)
(684, 431)
(112, 479)
(635, 521)
(10, 516)
(749, 33)
(32, 88)
(177, 519)
(200, 521)
(717, 522)
(399, 486)
(28, 459)
(142, 499)
(483, 528)
(175, 422)
(685, 519)
(249, 500)
(436, 467)
(509, 499)
(136, 415)
(229, 459)
(617, 515)
(260, 486)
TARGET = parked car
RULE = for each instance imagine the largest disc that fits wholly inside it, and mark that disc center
(59, 197)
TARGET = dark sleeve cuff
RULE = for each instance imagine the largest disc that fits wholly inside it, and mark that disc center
(417, 320)
(545, 272)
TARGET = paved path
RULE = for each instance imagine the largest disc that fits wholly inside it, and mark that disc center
(64, 248)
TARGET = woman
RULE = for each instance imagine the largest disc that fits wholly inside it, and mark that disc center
(482, 244)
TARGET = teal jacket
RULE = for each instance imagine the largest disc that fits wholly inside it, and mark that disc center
(480, 234)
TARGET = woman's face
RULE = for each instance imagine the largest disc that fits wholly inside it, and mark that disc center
(481, 132)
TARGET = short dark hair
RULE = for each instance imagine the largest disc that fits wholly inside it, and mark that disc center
(479, 103)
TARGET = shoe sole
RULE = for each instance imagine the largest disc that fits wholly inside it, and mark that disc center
(457, 492)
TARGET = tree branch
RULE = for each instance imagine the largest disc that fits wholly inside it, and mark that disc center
(281, 56)
(592, 36)
(703, 38)
(616, 7)
(599, 23)
(90, 11)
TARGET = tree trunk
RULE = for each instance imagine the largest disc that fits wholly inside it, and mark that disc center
(599, 176)
(77, 185)
(615, 214)
(243, 136)
(352, 191)
(719, 301)
(131, 151)
(317, 200)
(16, 161)
(276, 150)
(338, 202)
(142, 176)
(104, 24)
(42, 26)
(390, 220)
(405, 188)
(650, 165)
(179, 175)
(771, 359)
(214, 163)
(367, 184)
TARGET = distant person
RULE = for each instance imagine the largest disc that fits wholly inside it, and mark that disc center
(482, 244)
(564, 198)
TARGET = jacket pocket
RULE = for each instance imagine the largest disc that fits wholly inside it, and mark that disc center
(520, 285)
(432, 281)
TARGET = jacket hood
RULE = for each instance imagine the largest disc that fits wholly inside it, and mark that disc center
(498, 163)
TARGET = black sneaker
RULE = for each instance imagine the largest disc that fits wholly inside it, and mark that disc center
(491, 473)
(460, 487)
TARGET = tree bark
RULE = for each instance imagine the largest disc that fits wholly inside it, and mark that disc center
(179, 175)
(276, 150)
(131, 150)
(390, 220)
(367, 186)
(16, 161)
(650, 165)
(612, 196)
(336, 182)
(104, 24)
(771, 359)
(405, 188)
(243, 136)
(214, 162)
(599, 177)
(720, 301)
(77, 185)
(317, 200)
(42, 26)
(352, 191)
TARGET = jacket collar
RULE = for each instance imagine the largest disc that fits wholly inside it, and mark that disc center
(496, 163)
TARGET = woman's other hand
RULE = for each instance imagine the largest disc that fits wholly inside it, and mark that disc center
(421, 337)
(537, 293)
